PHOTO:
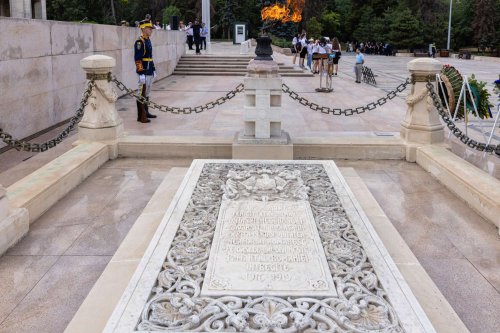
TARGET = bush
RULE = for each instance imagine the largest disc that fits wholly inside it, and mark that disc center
(281, 42)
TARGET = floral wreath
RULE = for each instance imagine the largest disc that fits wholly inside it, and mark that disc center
(453, 82)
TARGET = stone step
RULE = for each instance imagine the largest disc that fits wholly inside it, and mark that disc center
(221, 67)
(236, 73)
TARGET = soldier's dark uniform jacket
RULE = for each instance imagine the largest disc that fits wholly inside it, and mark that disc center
(144, 56)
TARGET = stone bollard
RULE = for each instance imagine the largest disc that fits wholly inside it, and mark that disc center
(421, 125)
(100, 121)
(14, 223)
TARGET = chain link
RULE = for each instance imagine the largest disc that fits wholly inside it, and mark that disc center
(40, 147)
(346, 112)
(177, 110)
(454, 129)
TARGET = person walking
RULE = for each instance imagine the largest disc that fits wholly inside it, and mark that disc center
(145, 68)
(358, 67)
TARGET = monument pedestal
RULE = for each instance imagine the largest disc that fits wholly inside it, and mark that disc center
(274, 148)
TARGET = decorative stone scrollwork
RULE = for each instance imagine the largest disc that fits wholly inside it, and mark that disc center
(175, 304)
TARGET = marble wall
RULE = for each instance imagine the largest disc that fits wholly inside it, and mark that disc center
(41, 82)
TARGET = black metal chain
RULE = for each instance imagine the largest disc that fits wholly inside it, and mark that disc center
(346, 112)
(179, 110)
(454, 129)
(40, 147)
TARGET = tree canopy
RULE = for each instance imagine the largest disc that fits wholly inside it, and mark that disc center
(403, 23)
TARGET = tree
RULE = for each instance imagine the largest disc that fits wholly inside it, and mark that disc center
(331, 23)
(227, 18)
(405, 30)
(484, 24)
(169, 12)
(314, 28)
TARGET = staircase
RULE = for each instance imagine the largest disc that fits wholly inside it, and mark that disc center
(231, 65)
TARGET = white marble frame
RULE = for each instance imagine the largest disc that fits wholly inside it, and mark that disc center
(127, 313)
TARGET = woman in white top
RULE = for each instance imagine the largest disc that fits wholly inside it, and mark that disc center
(320, 48)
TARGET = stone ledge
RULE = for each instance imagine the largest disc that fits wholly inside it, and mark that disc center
(480, 190)
(102, 299)
(174, 147)
(368, 148)
(41, 189)
(13, 228)
(438, 310)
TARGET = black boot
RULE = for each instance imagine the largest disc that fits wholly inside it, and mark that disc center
(139, 110)
(141, 113)
(146, 107)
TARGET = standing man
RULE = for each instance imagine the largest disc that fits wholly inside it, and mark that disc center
(197, 35)
(145, 68)
(358, 67)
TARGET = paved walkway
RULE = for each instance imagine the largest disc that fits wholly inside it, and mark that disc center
(44, 278)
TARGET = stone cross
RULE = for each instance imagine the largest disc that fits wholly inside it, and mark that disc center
(262, 116)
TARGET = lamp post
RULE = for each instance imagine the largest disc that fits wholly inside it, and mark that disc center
(449, 26)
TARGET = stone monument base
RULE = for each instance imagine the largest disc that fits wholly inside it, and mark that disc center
(13, 228)
(274, 148)
(100, 134)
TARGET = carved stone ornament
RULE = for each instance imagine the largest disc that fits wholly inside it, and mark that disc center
(175, 304)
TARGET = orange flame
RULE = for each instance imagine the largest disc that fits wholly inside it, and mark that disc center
(283, 13)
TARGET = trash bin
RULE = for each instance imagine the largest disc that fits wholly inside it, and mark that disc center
(444, 53)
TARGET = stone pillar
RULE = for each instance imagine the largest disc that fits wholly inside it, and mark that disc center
(421, 125)
(14, 223)
(262, 136)
(205, 17)
(100, 121)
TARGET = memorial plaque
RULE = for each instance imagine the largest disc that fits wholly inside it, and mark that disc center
(267, 248)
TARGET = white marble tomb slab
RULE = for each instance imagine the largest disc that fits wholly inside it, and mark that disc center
(168, 292)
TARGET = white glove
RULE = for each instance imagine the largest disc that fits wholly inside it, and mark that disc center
(142, 79)
(154, 75)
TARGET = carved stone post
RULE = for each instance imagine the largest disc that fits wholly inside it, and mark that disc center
(14, 223)
(262, 136)
(100, 121)
(421, 125)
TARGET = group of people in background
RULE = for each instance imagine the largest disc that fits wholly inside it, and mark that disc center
(378, 48)
(313, 49)
(319, 51)
(196, 34)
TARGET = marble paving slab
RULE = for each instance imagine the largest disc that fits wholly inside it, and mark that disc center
(266, 246)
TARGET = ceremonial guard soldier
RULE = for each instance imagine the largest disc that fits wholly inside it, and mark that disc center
(145, 68)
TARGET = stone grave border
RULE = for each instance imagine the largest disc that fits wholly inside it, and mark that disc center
(128, 311)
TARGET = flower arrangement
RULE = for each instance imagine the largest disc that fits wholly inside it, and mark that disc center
(453, 82)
